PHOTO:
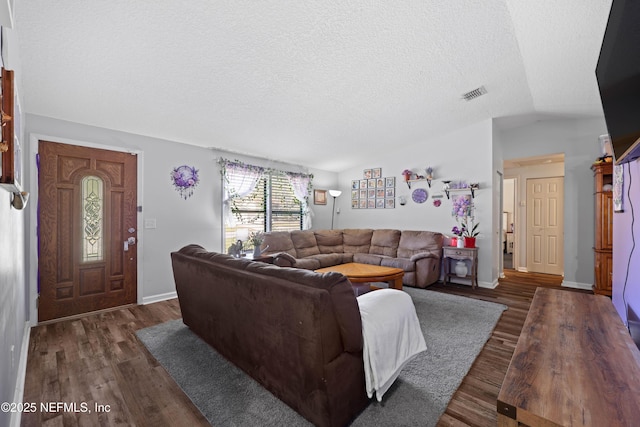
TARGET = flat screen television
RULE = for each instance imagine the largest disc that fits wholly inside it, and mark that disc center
(618, 75)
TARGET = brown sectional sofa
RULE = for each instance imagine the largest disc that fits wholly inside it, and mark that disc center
(418, 253)
(296, 332)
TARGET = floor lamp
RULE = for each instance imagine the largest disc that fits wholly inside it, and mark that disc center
(334, 194)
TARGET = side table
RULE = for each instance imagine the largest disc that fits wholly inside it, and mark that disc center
(268, 259)
(450, 254)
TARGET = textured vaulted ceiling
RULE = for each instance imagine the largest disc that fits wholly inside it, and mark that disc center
(321, 83)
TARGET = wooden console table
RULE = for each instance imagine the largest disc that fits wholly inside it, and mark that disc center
(450, 253)
(575, 364)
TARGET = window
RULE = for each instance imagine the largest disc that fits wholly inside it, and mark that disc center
(92, 205)
(262, 200)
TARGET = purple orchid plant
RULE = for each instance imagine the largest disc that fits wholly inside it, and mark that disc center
(462, 209)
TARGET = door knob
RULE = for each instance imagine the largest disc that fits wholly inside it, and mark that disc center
(131, 230)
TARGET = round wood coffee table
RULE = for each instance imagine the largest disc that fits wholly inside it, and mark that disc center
(363, 273)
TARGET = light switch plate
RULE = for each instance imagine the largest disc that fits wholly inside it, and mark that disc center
(150, 223)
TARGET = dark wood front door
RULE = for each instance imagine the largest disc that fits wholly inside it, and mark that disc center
(87, 211)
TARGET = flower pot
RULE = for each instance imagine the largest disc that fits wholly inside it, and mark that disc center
(256, 252)
(460, 242)
(454, 241)
(461, 269)
(469, 242)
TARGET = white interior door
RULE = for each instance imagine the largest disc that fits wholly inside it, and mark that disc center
(545, 225)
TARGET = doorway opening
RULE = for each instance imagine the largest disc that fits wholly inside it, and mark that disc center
(508, 222)
(530, 245)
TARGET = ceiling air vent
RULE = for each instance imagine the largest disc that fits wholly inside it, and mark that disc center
(474, 93)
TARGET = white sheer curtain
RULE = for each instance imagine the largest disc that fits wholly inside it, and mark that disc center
(239, 180)
(301, 184)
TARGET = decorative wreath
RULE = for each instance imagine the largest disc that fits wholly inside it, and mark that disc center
(185, 179)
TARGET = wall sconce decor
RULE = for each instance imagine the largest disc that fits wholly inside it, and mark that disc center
(429, 171)
(185, 179)
(410, 176)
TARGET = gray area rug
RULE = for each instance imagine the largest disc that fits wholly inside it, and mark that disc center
(455, 329)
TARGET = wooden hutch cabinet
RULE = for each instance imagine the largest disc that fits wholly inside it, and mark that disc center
(603, 173)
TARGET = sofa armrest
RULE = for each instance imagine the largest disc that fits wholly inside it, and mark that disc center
(427, 271)
(421, 255)
(284, 259)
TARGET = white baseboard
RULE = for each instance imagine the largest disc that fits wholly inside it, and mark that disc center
(488, 285)
(467, 282)
(159, 297)
(576, 285)
(522, 269)
(18, 393)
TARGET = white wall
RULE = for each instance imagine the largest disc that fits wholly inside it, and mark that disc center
(462, 155)
(496, 200)
(578, 140)
(179, 222)
(13, 290)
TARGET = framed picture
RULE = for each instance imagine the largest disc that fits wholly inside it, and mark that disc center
(355, 184)
(367, 174)
(371, 203)
(380, 193)
(371, 183)
(376, 173)
(363, 194)
(462, 205)
(362, 204)
(390, 203)
(390, 192)
(390, 181)
(355, 204)
(379, 203)
(319, 197)
(379, 182)
(363, 183)
(354, 194)
(372, 193)
(10, 152)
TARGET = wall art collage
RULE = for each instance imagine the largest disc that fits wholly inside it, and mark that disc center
(373, 191)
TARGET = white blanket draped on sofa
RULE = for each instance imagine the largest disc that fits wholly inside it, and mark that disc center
(392, 337)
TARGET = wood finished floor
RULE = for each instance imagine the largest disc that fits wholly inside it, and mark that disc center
(97, 359)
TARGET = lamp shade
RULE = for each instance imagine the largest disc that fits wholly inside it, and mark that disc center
(335, 193)
(242, 234)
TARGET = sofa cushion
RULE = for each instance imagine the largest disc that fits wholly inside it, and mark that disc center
(307, 263)
(305, 243)
(328, 260)
(385, 242)
(403, 263)
(414, 242)
(372, 259)
(329, 241)
(278, 241)
(340, 291)
(357, 240)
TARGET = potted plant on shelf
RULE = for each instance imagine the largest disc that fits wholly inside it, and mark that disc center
(467, 230)
(256, 238)
(457, 241)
